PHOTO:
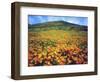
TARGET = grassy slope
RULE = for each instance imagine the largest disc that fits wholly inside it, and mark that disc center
(57, 32)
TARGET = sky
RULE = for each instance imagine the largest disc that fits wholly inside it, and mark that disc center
(35, 19)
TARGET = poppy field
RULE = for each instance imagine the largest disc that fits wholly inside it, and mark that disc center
(48, 46)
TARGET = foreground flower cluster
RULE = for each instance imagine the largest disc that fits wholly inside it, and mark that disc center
(49, 51)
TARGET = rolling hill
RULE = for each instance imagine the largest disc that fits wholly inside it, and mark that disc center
(62, 25)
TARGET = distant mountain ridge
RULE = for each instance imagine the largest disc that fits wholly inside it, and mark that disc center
(59, 24)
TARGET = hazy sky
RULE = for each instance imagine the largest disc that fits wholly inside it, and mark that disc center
(35, 19)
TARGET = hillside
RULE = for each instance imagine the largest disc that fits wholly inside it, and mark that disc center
(62, 25)
(57, 43)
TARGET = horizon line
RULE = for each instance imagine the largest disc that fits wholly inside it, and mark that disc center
(57, 21)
